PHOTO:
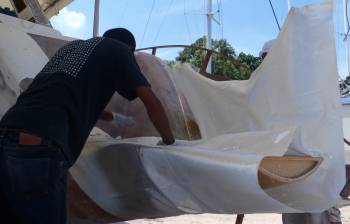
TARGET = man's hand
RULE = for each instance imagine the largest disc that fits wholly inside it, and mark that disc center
(161, 142)
(156, 113)
(106, 116)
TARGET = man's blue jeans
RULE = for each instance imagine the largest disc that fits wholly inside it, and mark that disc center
(33, 181)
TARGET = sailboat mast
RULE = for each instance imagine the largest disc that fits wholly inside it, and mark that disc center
(346, 43)
(96, 18)
(209, 31)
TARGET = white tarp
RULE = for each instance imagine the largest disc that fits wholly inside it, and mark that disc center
(289, 106)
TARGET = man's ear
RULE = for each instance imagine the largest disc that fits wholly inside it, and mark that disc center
(132, 48)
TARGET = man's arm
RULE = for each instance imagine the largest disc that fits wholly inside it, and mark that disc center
(156, 113)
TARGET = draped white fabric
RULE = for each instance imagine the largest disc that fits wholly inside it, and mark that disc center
(288, 107)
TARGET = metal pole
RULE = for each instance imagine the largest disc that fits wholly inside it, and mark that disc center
(346, 39)
(209, 31)
(289, 4)
(96, 18)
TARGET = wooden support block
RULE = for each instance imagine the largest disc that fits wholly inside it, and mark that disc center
(239, 218)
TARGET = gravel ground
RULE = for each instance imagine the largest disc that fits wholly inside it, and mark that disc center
(225, 219)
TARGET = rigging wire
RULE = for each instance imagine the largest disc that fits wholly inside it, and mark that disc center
(163, 20)
(121, 21)
(148, 20)
(346, 141)
(221, 19)
(187, 25)
(197, 20)
(204, 22)
(347, 20)
(218, 27)
(274, 14)
(216, 12)
(340, 35)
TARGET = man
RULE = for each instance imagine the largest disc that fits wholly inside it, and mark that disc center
(42, 135)
(330, 216)
(266, 48)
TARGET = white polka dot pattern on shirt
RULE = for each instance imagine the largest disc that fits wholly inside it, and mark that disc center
(71, 58)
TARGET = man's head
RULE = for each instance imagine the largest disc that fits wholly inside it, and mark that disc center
(123, 35)
(266, 48)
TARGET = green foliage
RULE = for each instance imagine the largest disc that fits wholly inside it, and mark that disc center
(192, 55)
(222, 65)
(251, 61)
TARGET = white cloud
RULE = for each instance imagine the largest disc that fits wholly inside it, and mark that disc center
(70, 23)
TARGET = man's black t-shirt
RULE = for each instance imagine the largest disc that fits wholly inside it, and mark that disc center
(66, 98)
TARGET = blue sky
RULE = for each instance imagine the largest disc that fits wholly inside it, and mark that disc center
(246, 24)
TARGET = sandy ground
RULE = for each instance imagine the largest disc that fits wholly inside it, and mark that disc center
(225, 219)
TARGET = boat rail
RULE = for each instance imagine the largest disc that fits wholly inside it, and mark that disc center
(206, 59)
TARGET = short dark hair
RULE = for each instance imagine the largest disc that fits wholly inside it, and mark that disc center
(123, 35)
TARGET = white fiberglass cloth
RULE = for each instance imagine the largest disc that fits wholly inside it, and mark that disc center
(289, 106)
(296, 85)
